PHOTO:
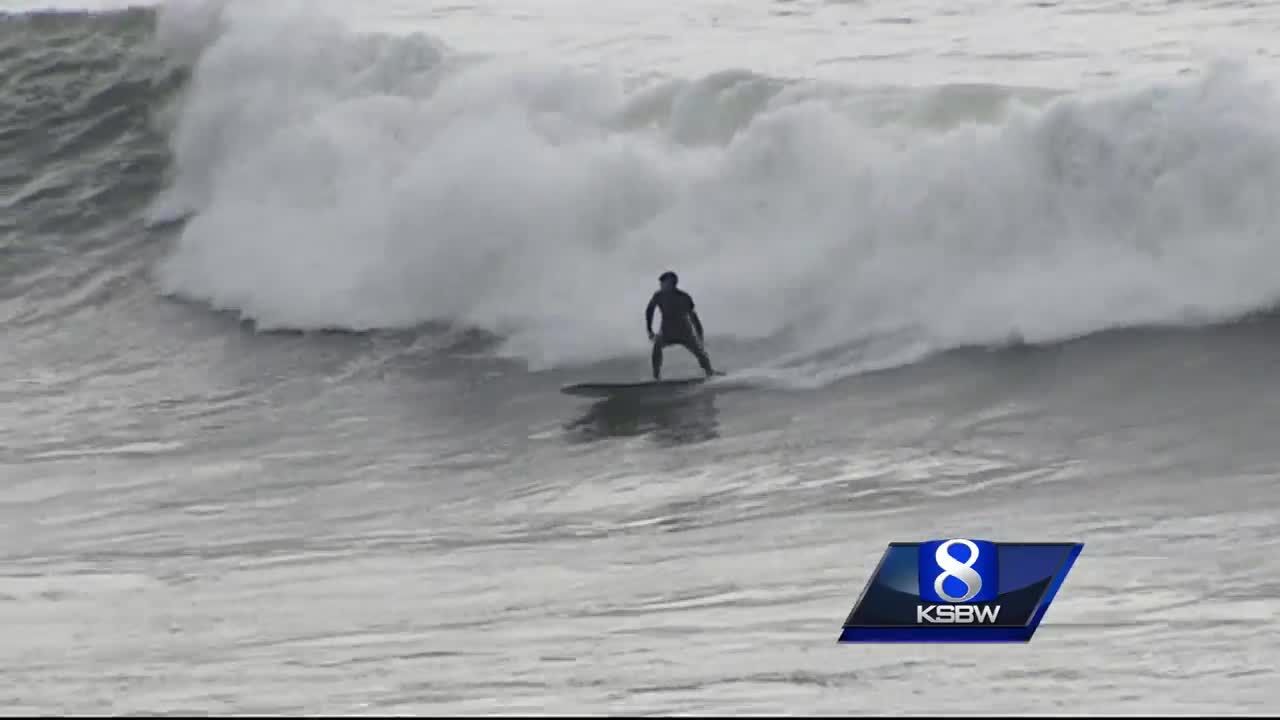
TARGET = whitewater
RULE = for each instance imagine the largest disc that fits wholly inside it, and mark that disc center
(288, 291)
(359, 183)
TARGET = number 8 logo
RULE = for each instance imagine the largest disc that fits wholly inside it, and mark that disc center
(962, 571)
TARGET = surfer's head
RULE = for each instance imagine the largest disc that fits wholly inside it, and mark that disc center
(668, 280)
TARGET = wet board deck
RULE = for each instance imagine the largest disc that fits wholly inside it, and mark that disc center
(649, 387)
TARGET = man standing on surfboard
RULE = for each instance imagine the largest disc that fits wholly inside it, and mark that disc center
(680, 324)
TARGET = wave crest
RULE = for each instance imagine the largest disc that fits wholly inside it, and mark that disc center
(371, 181)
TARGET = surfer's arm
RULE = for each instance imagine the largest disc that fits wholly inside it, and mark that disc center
(648, 314)
(697, 324)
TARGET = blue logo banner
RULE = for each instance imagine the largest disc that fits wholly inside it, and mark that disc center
(960, 590)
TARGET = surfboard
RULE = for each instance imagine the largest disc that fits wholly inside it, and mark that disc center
(648, 387)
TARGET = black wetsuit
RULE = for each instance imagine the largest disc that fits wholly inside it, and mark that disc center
(680, 326)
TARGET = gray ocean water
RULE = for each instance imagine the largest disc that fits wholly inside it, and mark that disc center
(288, 292)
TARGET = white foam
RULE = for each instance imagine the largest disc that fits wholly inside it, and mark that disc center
(364, 182)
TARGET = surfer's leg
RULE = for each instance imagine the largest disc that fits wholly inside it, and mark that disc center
(704, 360)
(699, 352)
(657, 357)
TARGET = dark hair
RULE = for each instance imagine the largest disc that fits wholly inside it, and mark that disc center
(668, 275)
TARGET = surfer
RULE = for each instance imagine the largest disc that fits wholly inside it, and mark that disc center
(680, 324)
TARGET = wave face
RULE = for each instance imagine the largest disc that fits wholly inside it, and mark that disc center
(334, 180)
(80, 159)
